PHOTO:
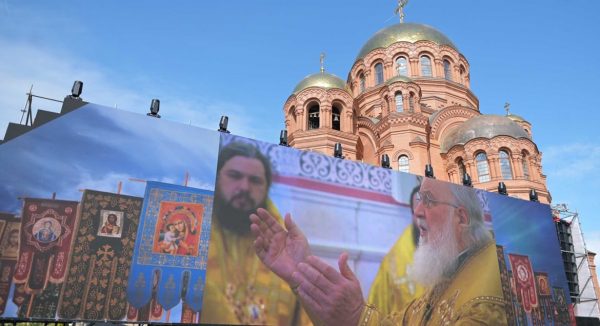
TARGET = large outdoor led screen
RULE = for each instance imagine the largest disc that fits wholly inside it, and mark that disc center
(109, 215)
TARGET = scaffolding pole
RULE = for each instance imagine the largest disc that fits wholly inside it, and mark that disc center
(587, 304)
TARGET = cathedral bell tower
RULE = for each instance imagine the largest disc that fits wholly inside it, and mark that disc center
(319, 113)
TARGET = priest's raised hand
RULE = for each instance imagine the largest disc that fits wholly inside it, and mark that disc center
(328, 296)
(279, 248)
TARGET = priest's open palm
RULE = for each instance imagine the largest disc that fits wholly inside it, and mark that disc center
(280, 249)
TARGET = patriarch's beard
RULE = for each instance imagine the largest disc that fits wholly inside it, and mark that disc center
(435, 259)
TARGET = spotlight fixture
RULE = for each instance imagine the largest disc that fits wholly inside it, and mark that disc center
(223, 124)
(283, 140)
(385, 161)
(154, 108)
(533, 196)
(337, 151)
(77, 88)
(429, 171)
(502, 188)
(466, 180)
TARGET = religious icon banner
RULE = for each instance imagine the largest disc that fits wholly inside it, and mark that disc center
(543, 284)
(561, 306)
(506, 286)
(169, 262)
(9, 244)
(46, 232)
(524, 281)
(96, 281)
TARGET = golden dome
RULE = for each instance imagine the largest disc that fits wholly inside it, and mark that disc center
(322, 80)
(407, 32)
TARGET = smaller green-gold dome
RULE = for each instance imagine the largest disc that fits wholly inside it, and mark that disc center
(322, 80)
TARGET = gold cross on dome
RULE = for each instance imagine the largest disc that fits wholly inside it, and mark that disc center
(400, 9)
(322, 60)
(507, 108)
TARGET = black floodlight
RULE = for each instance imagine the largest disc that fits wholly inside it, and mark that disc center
(466, 180)
(429, 171)
(385, 161)
(533, 196)
(223, 124)
(283, 140)
(337, 150)
(154, 108)
(77, 88)
(502, 188)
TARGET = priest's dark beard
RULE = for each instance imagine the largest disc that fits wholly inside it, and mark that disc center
(232, 218)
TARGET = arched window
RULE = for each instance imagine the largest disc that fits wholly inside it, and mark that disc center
(378, 73)
(426, 66)
(403, 165)
(313, 117)
(361, 82)
(505, 167)
(411, 102)
(525, 160)
(399, 103)
(483, 169)
(335, 118)
(462, 74)
(447, 70)
(402, 66)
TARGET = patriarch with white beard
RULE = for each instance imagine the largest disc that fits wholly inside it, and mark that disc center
(458, 229)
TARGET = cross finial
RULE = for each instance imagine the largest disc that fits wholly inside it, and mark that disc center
(400, 9)
(322, 59)
(507, 108)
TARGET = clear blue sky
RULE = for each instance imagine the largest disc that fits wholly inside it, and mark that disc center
(243, 58)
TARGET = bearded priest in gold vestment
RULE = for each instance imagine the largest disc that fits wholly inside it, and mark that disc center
(239, 288)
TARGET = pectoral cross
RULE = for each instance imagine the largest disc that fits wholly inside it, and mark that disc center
(400, 9)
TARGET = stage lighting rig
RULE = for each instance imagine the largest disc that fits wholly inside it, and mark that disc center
(466, 180)
(533, 196)
(337, 151)
(283, 139)
(154, 108)
(76, 89)
(385, 161)
(429, 171)
(502, 188)
(223, 124)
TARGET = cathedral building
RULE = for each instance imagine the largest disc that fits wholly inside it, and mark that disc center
(408, 95)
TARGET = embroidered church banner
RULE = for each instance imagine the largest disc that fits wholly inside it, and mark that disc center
(505, 279)
(9, 249)
(46, 233)
(96, 281)
(561, 306)
(169, 261)
(524, 281)
(543, 284)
